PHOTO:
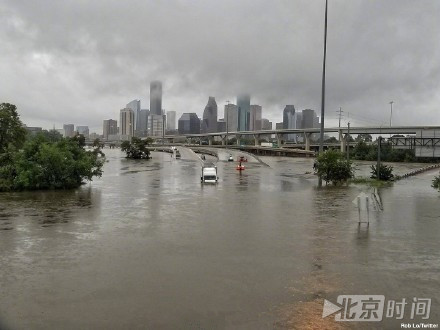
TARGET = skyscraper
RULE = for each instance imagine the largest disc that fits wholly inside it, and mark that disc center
(126, 122)
(171, 120)
(308, 118)
(135, 105)
(69, 130)
(209, 124)
(156, 123)
(289, 120)
(143, 123)
(255, 118)
(189, 123)
(83, 130)
(231, 117)
(110, 127)
(244, 105)
(156, 98)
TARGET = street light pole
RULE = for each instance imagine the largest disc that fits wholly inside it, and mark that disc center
(321, 142)
(391, 115)
(227, 123)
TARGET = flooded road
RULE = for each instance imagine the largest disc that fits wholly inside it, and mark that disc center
(148, 247)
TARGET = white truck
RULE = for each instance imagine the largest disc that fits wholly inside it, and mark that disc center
(267, 144)
(209, 174)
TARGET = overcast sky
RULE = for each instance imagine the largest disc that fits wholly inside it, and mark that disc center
(81, 61)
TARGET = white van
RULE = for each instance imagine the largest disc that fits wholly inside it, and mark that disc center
(209, 174)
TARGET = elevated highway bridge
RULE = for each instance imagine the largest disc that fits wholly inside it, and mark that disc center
(415, 132)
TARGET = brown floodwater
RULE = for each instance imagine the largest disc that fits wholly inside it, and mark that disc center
(147, 246)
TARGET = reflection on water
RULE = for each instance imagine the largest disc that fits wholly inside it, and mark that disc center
(148, 246)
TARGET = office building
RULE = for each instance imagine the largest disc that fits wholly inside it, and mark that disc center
(156, 98)
(289, 121)
(266, 124)
(142, 123)
(309, 118)
(255, 117)
(171, 120)
(221, 125)
(69, 130)
(109, 127)
(157, 124)
(83, 130)
(126, 122)
(231, 117)
(244, 105)
(209, 123)
(279, 125)
(135, 105)
(189, 123)
(33, 130)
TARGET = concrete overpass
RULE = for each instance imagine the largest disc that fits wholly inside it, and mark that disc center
(306, 133)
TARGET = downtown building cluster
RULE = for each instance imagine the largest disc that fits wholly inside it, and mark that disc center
(156, 122)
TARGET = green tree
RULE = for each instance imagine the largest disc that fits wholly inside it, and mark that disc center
(333, 167)
(12, 132)
(331, 139)
(136, 149)
(50, 165)
(364, 138)
(81, 140)
(97, 142)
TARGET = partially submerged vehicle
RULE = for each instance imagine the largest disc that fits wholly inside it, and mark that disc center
(242, 159)
(230, 159)
(177, 154)
(209, 174)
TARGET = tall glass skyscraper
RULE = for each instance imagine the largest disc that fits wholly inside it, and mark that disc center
(244, 111)
(209, 124)
(135, 105)
(156, 98)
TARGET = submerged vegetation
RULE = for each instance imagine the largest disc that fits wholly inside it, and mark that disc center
(137, 148)
(333, 167)
(44, 161)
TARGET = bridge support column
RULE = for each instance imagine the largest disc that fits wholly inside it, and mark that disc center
(256, 139)
(307, 140)
(343, 140)
(210, 140)
(223, 137)
(238, 137)
(200, 141)
(279, 140)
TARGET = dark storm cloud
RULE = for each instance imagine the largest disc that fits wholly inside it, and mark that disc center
(81, 61)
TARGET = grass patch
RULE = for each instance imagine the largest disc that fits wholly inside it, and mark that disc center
(370, 182)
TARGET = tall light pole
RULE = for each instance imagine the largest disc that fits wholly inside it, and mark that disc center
(227, 122)
(391, 115)
(321, 141)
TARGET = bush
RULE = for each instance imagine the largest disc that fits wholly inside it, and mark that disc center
(332, 166)
(436, 182)
(385, 172)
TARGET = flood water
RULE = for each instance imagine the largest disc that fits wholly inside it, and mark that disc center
(148, 247)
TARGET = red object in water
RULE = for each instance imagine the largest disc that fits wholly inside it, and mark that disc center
(242, 159)
(240, 167)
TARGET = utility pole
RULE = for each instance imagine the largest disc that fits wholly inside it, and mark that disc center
(391, 115)
(348, 142)
(340, 116)
(379, 139)
(227, 123)
(321, 142)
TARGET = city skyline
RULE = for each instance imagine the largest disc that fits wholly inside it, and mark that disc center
(56, 71)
